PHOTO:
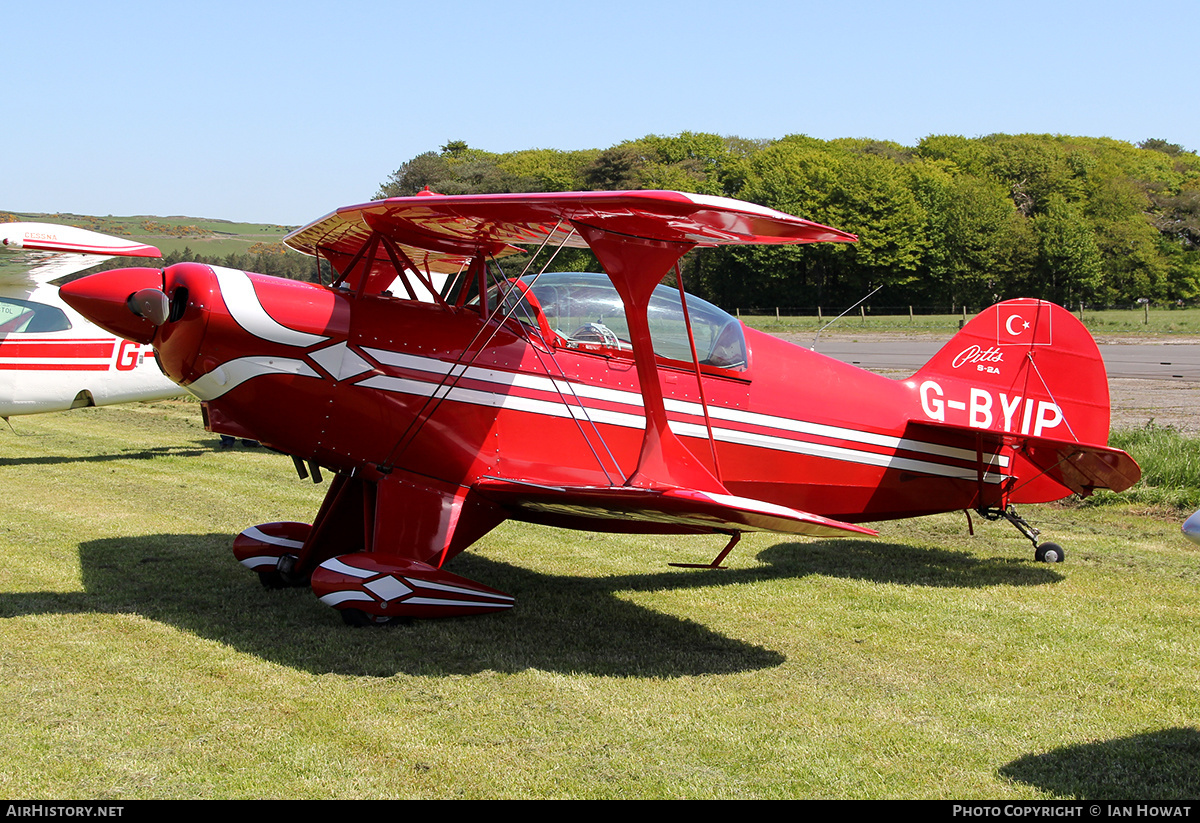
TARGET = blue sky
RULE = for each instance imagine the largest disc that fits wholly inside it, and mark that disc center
(282, 111)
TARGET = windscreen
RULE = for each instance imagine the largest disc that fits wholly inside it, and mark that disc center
(584, 307)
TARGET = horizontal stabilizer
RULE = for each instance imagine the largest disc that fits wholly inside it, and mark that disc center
(685, 509)
(1081, 467)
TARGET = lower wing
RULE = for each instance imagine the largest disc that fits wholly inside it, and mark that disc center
(619, 507)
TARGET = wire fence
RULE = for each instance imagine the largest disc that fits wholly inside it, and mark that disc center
(834, 311)
(828, 312)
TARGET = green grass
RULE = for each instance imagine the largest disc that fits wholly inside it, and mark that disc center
(1170, 465)
(1136, 321)
(1158, 321)
(138, 660)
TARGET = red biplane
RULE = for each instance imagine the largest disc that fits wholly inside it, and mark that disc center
(447, 396)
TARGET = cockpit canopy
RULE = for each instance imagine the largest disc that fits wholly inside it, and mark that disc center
(584, 311)
(25, 316)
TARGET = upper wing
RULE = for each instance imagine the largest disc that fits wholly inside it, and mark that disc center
(443, 232)
(32, 253)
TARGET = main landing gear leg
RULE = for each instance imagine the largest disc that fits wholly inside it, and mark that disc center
(1042, 552)
(716, 564)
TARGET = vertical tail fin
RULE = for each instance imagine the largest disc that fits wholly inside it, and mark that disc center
(1026, 378)
(1024, 367)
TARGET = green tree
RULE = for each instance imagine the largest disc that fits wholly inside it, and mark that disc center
(978, 249)
(1069, 266)
(690, 161)
(547, 169)
(952, 220)
(1134, 265)
(797, 175)
(428, 169)
(861, 192)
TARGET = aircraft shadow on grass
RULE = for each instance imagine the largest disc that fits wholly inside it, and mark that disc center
(1160, 765)
(568, 624)
(141, 454)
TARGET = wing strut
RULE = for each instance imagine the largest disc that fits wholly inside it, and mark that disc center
(403, 264)
(687, 322)
(636, 266)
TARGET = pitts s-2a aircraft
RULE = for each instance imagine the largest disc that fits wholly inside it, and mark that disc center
(51, 358)
(447, 396)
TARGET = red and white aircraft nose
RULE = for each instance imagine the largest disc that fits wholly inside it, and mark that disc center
(103, 298)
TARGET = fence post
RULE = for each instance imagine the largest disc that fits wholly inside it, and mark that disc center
(910, 314)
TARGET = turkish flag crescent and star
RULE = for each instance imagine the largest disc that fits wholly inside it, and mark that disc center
(1027, 325)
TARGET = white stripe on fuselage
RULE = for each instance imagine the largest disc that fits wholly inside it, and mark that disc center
(233, 373)
(237, 290)
(561, 388)
(582, 390)
(237, 371)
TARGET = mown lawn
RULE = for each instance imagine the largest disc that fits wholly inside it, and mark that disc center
(138, 660)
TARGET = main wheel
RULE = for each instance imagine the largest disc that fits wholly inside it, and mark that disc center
(358, 618)
(282, 576)
(272, 580)
(1049, 553)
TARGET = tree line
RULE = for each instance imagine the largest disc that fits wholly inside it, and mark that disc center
(952, 221)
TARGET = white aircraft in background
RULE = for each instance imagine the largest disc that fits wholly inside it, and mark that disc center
(1191, 528)
(51, 358)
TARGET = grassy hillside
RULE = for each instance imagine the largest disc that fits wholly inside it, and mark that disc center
(203, 236)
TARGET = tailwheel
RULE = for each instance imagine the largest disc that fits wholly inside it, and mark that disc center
(1049, 553)
(1042, 552)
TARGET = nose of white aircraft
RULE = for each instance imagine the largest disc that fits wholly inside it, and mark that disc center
(1191, 528)
(121, 301)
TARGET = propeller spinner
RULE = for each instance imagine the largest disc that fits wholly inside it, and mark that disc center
(127, 302)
